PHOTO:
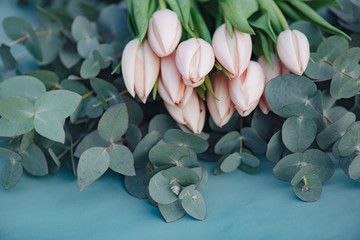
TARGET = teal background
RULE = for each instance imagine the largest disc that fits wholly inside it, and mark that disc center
(240, 206)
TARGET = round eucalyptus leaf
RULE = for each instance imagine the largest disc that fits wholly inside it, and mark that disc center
(26, 87)
(7, 57)
(228, 143)
(194, 205)
(16, 109)
(8, 129)
(319, 70)
(48, 78)
(203, 175)
(287, 167)
(27, 139)
(275, 148)
(82, 28)
(348, 62)
(121, 160)
(181, 175)
(249, 163)
(231, 162)
(298, 133)
(305, 171)
(187, 140)
(350, 142)
(264, 124)
(33, 161)
(309, 192)
(332, 47)
(344, 86)
(148, 177)
(104, 54)
(133, 136)
(172, 212)
(160, 189)
(232, 125)
(91, 140)
(90, 68)
(69, 56)
(354, 169)
(311, 109)
(143, 148)
(252, 140)
(134, 184)
(16, 27)
(335, 131)
(113, 19)
(99, 58)
(11, 174)
(188, 162)
(113, 123)
(278, 89)
(94, 107)
(86, 46)
(162, 123)
(167, 154)
(217, 169)
(107, 90)
(335, 149)
(187, 190)
(93, 163)
(136, 115)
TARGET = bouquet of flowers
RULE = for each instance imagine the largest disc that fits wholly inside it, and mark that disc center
(146, 88)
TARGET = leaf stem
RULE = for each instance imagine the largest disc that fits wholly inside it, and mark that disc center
(27, 36)
(280, 15)
(87, 94)
(162, 4)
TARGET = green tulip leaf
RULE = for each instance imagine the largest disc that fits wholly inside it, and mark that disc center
(93, 163)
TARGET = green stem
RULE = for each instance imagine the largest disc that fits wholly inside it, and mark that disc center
(162, 4)
(280, 15)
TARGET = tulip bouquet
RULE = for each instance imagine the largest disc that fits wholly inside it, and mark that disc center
(230, 80)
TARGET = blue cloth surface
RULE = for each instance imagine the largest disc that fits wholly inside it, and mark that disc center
(239, 205)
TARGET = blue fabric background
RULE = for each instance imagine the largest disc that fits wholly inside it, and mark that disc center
(240, 206)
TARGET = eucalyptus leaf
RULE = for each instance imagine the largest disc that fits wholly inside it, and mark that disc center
(187, 140)
(93, 163)
(16, 109)
(275, 148)
(7, 57)
(172, 212)
(162, 123)
(33, 161)
(252, 140)
(90, 140)
(121, 160)
(143, 148)
(48, 78)
(134, 184)
(194, 205)
(9, 155)
(133, 136)
(350, 142)
(11, 174)
(160, 189)
(113, 123)
(231, 162)
(310, 191)
(167, 154)
(249, 163)
(228, 143)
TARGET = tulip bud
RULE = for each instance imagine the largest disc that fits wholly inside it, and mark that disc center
(192, 114)
(194, 60)
(164, 32)
(140, 68)
(233, 53)
(278, 70)
(246, 90)
(172, 88)
(222, 109)
(294, 51)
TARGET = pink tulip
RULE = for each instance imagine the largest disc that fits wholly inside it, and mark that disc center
(294, 51)
(140, 68)
(192, 114)
(278, 70)
(222, 109)
(246, 90)
(172, 88)
(194, 60)
(164, 32)
(232, 53)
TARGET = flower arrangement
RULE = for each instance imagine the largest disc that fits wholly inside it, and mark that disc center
(146, 88)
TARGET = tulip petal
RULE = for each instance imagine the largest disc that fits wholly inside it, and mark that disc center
(129, 57)
(152, 68)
